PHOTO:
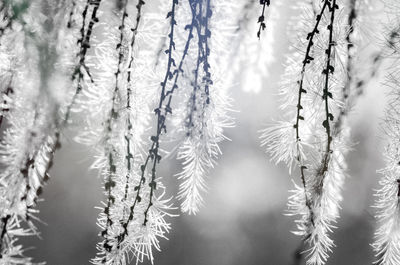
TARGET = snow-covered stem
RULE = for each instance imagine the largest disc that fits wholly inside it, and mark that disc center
(81, 70)
(161, 114)
(32, 134)
(205, 110)
(123, 80)
(387, 234)
(194, 151)
(309, 139)
(110, 149)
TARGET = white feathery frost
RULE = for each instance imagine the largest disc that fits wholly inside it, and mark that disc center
(117, 104)
(204, 115)
(29, 114)
(135, 73)
(387, 235)
(311, 138)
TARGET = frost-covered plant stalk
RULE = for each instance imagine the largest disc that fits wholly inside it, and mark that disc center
(205, 113)
(29, 115)
(387, 235)
(116, 99)
(87, 20)
(197, 153)
(309, 136)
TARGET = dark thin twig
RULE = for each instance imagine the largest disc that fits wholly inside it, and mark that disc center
(307, 60)
(196, 4)
(110, 183)
(328, 95)
(129, 155)
(153, 151)
(261, 18)
(53, 143)
(84, 43)
(202, 58)
(329, 117)
(161, 117)
(350, 47)
(4, 221)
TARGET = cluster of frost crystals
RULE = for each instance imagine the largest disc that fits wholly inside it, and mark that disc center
(311, 137)
(387, 235)
(29, 116)
(116, 104)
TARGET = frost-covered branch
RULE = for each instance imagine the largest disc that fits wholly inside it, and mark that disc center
(117, 105)
(309, 140)
(82, 68)
(387, 235)
(32, 134)
(205, 111)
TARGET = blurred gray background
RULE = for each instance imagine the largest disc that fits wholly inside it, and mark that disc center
(243, 219)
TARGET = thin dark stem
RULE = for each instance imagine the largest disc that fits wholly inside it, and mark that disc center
(329, 70)
(261, 18)
(84, 43)
(206, 66)
(153, 151)
(204, 34)
(194, 6)
(53, 142)
(321, 172)
(110, 183)
(161, 117)
(307, 60)
(129, 155)
(4, 222)
(350, 47)
(29, 162)
(328, 95)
